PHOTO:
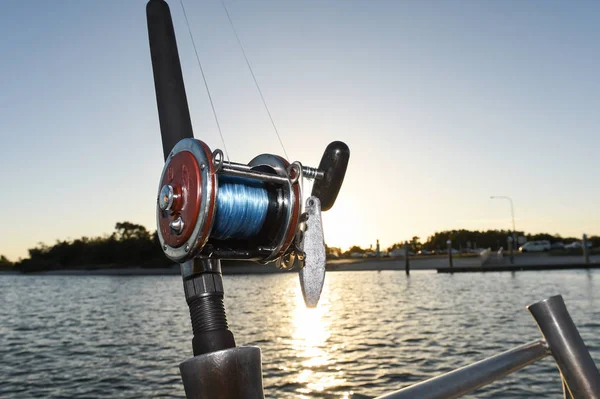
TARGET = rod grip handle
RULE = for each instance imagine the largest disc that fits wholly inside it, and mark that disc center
(173, 111)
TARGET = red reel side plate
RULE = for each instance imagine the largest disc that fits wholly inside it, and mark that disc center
(191, 174)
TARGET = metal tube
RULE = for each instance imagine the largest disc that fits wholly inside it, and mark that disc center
(568, 349)
(266, 177)
(228, 374)
(308, 171)
(173, 111)
(467, 379)
(236, 165)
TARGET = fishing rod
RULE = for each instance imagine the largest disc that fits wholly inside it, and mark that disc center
(209, 209)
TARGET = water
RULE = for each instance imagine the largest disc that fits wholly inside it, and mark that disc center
(123, 337)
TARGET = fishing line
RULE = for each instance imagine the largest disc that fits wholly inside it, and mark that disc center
(254, 78)
(212, 105)
(242, 206)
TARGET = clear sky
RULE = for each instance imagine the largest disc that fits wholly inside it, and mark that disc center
(443, 103)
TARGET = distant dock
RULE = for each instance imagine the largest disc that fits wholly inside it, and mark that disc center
(518, 268)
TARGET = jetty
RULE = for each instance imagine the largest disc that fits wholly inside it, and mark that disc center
(526, 262)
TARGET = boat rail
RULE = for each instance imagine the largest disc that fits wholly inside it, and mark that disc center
(561, 340)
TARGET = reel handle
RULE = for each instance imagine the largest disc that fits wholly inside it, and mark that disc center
(334, 164)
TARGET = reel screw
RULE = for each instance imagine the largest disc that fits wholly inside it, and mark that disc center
(165, 198)
(312, 173)
(296, 169)
(187, 248)
(165, 247)
(202, 166)
(177, 225)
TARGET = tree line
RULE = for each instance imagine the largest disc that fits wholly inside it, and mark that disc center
(464, 239)
(129, 245)
(133, 245)
(493, 239)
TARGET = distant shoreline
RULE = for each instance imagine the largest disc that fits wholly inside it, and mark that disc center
(333, 265)
(239, 268)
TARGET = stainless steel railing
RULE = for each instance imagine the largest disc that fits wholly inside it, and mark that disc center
(581, 379)
(467, 379)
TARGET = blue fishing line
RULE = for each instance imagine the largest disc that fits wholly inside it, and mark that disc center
(242, 206)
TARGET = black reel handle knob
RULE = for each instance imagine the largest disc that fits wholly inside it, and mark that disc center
(334, 164)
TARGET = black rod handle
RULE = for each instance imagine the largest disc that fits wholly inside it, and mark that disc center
(173, 110)
(334, 164)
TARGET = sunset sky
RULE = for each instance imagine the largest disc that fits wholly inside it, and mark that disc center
(442, 103)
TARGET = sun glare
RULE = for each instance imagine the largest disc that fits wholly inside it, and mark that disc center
(311, 334)
(335, 225)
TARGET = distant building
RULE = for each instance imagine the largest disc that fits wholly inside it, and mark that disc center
(397, 252)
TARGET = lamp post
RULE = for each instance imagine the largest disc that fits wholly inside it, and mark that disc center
(512, 213)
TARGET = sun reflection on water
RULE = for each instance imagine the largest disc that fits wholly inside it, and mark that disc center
(311, 333)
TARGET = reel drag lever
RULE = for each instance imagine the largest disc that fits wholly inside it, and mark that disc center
(330, 176)
(312, 275)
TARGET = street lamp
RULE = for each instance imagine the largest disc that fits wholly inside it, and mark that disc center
(512, 212)
(512, 208)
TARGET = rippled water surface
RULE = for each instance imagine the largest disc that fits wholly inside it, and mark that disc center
(123, 337)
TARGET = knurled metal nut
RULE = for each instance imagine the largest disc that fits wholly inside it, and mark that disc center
(206, 283)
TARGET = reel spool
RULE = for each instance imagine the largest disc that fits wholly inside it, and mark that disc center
(211, 208)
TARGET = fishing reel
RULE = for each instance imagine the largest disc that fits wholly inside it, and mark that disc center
(211, 208)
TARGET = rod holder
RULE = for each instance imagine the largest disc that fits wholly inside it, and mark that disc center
(572, 357)
(228, 374)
